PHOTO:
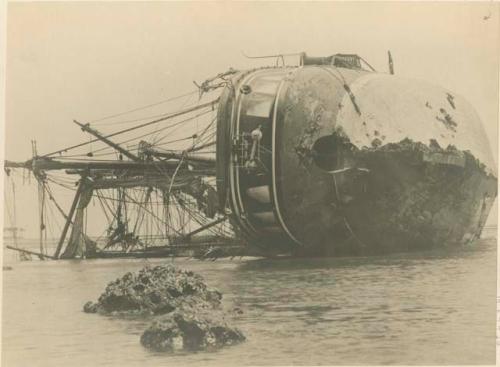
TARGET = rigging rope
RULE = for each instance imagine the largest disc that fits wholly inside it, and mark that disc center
(167, 117)
(144, 107)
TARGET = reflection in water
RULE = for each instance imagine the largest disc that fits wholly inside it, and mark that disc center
(420, 308)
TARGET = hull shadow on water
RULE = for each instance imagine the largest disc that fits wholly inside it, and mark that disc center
(443, 253)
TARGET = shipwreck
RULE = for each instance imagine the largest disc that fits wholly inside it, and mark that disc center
(324, 158)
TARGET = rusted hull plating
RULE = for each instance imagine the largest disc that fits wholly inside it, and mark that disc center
(351, 162)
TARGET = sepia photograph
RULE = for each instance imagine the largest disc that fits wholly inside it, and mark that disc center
(260, 183)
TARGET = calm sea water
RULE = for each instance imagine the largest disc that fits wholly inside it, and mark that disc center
(421, 308)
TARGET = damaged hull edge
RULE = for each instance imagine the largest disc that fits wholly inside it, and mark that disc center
(351, 162)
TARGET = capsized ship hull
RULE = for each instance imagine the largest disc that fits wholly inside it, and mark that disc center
(326, 160)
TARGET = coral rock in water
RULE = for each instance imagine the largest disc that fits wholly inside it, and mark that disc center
(190, 330)
(155, 290)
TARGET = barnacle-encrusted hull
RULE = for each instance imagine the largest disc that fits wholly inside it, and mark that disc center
(351, 162)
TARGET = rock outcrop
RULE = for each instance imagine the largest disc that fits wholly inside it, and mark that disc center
(188, 329)
(190, 315)
(156, 291)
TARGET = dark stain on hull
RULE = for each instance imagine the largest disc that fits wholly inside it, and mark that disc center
(401, 197)
(447, 120)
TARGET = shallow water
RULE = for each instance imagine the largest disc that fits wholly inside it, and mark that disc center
(420, 308)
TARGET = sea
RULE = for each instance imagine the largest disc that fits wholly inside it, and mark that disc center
(424, 308)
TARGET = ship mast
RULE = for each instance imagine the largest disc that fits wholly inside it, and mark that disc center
(179, 176)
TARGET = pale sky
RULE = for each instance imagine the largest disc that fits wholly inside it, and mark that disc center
(85, 60)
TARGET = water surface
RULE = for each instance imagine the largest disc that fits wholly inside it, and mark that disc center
(421, 308)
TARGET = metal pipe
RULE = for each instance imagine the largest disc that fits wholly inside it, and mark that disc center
(69, 218)
(180, 155)
(47, 164)
(29, 252)
(125, 152)
(202, 228)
